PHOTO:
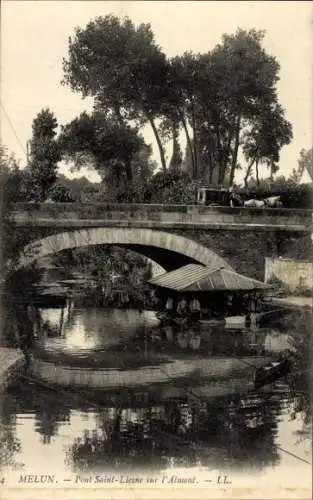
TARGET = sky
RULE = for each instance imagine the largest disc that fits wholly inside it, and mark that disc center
(34, 39)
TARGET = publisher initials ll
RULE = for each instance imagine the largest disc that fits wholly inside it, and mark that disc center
(223, 480)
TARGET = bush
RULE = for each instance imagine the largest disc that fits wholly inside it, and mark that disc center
(61, 194)
(171, 187)
(278, 288)
(292, 195)
(300, 196)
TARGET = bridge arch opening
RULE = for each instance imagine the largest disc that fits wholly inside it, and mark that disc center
(169, 250)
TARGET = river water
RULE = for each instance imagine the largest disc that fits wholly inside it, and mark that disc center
(176, 424)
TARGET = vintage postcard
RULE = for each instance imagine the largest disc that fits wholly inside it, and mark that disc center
(156, 249)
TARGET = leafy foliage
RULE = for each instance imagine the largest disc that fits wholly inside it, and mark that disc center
(112, 269)
(60, 193)
(12, 185)
(301, 342)
(122, 67)
(240, 104)
(11, 180)
(41, 171)
(266, 138)
(171, 187)
(225, 100)
(116, 150)
(108, 145)
(80, 189)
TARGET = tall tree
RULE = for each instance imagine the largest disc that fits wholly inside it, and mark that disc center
(13, 189)
(180, 106)
(230, 103)
(122, 67)
(44, 156)
(265, 138)
(217, 98)
(177, 157)
(242, 81)
(11, 181)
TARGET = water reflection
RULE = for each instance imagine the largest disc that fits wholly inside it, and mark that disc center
(124, 338)
(80, 330)
(139, 430)
(177, 424)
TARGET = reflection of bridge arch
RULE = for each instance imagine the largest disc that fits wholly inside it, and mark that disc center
(169, 250)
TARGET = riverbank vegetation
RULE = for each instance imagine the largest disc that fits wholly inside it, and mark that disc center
(118, 276)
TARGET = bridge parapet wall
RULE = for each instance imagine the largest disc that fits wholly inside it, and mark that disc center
(100, 214)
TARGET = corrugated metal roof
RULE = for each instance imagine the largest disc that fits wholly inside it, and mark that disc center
(194, 277)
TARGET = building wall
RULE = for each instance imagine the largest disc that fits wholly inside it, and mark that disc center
(245, 251)
(292, 273)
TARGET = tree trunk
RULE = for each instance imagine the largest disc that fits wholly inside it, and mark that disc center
(222, 164)
(257, 172)
(159, 143)
(173, 164)
(248, 172)
(221, 174)
(195, 152)
(211, 174)
(129, 173)
(189, 143)
(235, 153)
(228, 147)
(211, 155)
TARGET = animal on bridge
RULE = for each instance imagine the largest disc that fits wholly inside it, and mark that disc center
(253, 203)
(235, 200)
(273, 202)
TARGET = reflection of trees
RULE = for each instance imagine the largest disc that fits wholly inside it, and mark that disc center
(253, 431)
(45, 328)
(240, 431)
(9, 444)
(301, 342)
(50, 409)
(9, 327)
(100, 262)
(136, 432)
(122, 440)
(51, 331)
(48, 416)
(69, 316)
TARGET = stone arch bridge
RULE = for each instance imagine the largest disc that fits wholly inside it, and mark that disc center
(171, 235)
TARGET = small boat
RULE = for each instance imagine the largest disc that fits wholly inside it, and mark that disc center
(271, 372)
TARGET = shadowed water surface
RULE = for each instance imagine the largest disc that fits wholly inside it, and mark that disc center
(165, 427)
